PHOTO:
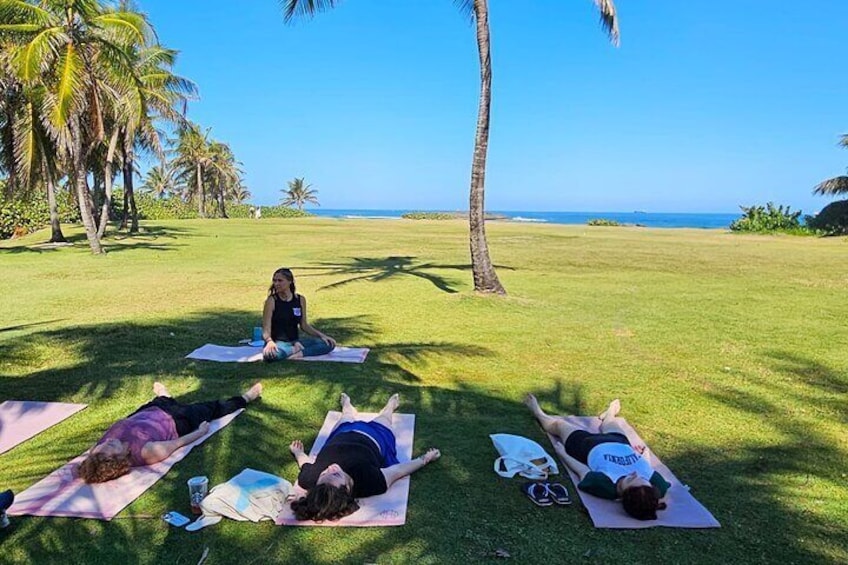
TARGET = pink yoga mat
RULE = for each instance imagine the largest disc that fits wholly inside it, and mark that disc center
(61, 493)
(250, 354)
(23, 419)
(387, 509)
(683, 510)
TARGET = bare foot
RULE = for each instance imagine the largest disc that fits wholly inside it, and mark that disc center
(160, 390)
(533, 404)
(253, 393)
(296, 355)
(612, 410)
(344, 400)
(393, 403)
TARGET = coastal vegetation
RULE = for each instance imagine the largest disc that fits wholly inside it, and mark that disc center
(483, 270)
(447, 216)
(721, 347)
(603, 222)
(86, 90)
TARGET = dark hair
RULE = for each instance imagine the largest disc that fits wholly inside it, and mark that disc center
(286, 272)
(325, 502)
(642, 502)
(99, 468)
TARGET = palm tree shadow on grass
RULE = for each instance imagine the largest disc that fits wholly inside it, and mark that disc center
(147, 238)
(372, 269)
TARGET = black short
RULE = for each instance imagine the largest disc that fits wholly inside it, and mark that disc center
(580, 442)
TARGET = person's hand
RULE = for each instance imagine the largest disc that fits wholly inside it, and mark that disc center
(270, 350)
(431, 455)
(328, 340)
(559, 447)
(296, 447)
(203, 428)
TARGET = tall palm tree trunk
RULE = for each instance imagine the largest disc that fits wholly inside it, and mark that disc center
(107, 183)
(485, 277)
(56, 235)
(201, 192)
(129, 190)
(85, 206)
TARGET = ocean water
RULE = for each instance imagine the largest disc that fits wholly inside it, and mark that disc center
(646, 219)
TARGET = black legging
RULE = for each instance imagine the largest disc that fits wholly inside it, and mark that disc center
(188, 417)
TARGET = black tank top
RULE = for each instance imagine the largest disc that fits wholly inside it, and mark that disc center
(286, 318)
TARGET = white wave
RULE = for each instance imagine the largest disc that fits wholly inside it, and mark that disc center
(521, 219)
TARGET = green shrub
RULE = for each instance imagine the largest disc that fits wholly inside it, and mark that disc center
(767, 219)
(832, 220)
(603, 222)
(30, 212)
(432, 215)
(175, 208)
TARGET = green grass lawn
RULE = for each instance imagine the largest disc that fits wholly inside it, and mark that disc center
(729, 353)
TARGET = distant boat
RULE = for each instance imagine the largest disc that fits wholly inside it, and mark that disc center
(640, 212)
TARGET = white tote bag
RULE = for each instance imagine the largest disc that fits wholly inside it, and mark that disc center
(522, 456)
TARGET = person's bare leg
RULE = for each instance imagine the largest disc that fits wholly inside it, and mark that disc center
(160, 390)
(252, 393)
(349, 411)
(551, 424)
(385, 415)
(612, 410)
(620, 426)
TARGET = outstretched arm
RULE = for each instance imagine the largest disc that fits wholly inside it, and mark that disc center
(267, 313)
(401, 470)
(572, 463)
(311, 330)
(296, 448)
(156, 451)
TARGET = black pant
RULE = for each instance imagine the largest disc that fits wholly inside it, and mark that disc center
(188, 417)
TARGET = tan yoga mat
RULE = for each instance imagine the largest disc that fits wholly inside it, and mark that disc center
(683, 511)
(388, 509)
(62, 493)
(21, 420)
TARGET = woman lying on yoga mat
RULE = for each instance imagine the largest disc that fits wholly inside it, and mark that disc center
(154, 431)
(358, 460)
(612, 464)
(283, 315)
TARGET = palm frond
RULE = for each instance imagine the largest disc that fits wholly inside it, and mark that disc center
(305, 8)
(609, 19)
(38, 54)
(70, 83)
(832, 187)
(19, 11)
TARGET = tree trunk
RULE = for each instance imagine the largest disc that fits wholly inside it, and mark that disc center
(201, 193)
(107, 181)
(56, 235)
(129, 191)
(85, 206)
(485, 278)
(221, 203)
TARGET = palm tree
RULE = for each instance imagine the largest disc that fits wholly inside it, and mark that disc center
(79, 52)
(160, 180)
(224, 173)
(157, 95)
(836, 185)
(240, 194)
(192, 158)
(485, 278)
(299, 193)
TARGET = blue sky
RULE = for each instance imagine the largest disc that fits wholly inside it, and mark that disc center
(705, 106)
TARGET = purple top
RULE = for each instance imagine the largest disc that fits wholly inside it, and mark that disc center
(151, 424)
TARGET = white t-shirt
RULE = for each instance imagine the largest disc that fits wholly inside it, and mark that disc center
(615, 460)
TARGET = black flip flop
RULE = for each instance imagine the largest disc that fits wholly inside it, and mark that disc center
(558, 493)
(538, 493)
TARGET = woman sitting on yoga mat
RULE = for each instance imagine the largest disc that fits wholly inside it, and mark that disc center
(154, 431)
(283, 315)
(612, 464)
(358, 460)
